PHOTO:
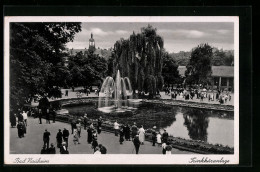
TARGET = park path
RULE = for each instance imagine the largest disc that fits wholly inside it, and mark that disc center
(163, 96)
(33, 141)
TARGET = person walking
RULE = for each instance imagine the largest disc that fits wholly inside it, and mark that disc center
(20, 117)
(46, 138)
(134, 130)
(59, 138)
(103, 149)
(13, 119)
(154, 137)
(94, 143)
(76, 137)
(121, 135)
(23, 127)
(20, 129)
(48, 117)
(116, 127)
(100, 121)
(89, 135)
(85, 121)
(78, 127)
(168, 148)
(141, 134)
(73, 125)
(159, 139)
(40, 116)
(65, 136)
(25, 117)
(127, 132)
(53, 113)
(137, 143)
(164, 148)
(165, 136)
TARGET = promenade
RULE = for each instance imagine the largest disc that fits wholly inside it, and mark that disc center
(33, 141)
(163, 96)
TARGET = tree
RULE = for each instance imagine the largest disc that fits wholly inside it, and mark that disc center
(170, 70)
(199, 67)
(36, 50)
(218, 58)
(140, 58)
(87, 69)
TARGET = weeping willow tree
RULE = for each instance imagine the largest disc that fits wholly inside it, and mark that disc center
(140, 58)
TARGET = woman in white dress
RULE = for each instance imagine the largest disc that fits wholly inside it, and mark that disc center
(141, 135)
(159, 139)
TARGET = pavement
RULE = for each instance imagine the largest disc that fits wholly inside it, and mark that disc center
(33, 141)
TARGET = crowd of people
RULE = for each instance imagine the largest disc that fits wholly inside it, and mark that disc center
(125, 132)
(137, 135)
(62, 137)
(202, 94)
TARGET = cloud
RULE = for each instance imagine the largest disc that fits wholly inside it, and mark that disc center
(122, 32)
(100, 32)
(223, 31)
(184, 33)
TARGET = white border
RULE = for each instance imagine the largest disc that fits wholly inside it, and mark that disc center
(88, 159)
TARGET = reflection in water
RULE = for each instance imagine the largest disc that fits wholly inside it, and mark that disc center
(216, 127)
(197, 123)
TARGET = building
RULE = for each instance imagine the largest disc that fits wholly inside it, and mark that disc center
(105, 53)
(222, 76)
(91, 42)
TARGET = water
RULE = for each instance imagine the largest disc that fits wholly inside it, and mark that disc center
(120, 90)
(216, 127)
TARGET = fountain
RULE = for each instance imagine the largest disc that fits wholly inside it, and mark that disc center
(116, 95)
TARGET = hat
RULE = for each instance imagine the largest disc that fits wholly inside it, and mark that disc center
(154, 127)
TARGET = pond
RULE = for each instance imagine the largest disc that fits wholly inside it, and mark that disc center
(215, 127)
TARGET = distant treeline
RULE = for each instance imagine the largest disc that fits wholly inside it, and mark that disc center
(220, 57)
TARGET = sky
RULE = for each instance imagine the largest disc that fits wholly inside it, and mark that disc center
(177, 36)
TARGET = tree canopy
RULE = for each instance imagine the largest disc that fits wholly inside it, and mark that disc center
(36, 51)
(87, 69)
(170, 71)
(199, 67)
(140, 58)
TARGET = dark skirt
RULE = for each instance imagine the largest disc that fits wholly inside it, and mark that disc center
(89, 137)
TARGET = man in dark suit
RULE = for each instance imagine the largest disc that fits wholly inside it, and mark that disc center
(46, 138)
(137, 143)
(165, 136)
(59, 138)
(20, 129)
(66, 136)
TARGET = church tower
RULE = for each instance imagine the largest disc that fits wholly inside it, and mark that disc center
(91, 42)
